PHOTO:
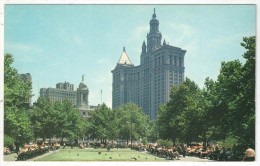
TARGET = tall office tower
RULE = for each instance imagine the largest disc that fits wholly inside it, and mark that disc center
(148, 85)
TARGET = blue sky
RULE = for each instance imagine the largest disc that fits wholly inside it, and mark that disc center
(58, 43)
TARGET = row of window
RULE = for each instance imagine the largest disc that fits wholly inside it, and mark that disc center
(173, 60)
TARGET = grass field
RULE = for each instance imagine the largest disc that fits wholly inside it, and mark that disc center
(92, 155)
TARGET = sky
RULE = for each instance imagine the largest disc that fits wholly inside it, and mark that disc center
(58, 43)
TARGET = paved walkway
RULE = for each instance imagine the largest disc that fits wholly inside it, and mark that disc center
(13, 156)
(193, 159)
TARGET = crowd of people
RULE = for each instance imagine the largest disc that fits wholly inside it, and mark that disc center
(212, 152)
(28, 151)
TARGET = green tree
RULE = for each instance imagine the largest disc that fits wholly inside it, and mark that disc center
(246, 101)
(231, 99)
(60, 120)
(211, 105)
(16, 91)
(70, 124)
(152, 131)
(133, 122)
(17, 123)
(103, 124)
(181, 112)
(43, 117)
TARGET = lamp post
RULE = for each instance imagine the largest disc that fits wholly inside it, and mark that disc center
(131, 127)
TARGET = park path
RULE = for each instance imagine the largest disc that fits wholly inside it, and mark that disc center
(13, 156)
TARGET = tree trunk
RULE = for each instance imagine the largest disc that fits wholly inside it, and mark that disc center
(131, 142)
(17, 147)
(62, 140)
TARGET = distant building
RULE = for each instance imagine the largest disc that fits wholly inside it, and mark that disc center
(61, 92)
(78, 98)
(27, 78)
(82, 100)
(148, 85)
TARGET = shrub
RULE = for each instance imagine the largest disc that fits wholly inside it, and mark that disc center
(229, 142)
(8, 141)
(166, 143)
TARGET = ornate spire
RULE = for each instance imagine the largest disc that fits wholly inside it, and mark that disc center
(144, 47)
(154, 15)
(83, 77)
(124, 49)
(154, 36)
(164, 42)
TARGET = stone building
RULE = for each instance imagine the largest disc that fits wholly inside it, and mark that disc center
(61, 92)
(82, 100)
(148, 84)
(78, 98)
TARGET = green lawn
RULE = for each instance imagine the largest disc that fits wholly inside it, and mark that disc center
(92, 155)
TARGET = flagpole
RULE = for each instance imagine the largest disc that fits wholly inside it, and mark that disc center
(101, 97)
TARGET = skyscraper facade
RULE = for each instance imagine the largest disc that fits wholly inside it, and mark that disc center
(148, 85)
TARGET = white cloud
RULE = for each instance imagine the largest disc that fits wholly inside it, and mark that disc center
(67, 36)
(223, 41)
(55, 64)
(140, 32)
(23, 52)
(181, 35)
(103, 61)
(21, 47)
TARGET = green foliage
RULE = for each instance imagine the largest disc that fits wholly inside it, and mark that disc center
(182, 111)
(127, 122)
(17, 124)
(103, 124)
(70, 123)
(8, 141)
(152, 131)
(222, 110)
(56, 120)
(133, 122)
(42, 117)
(229, 142)
(166, 143)
(144, 141)
(16, 92)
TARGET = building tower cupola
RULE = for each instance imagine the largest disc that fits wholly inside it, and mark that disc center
(82, 94)
(154, 36)
(154, 23)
